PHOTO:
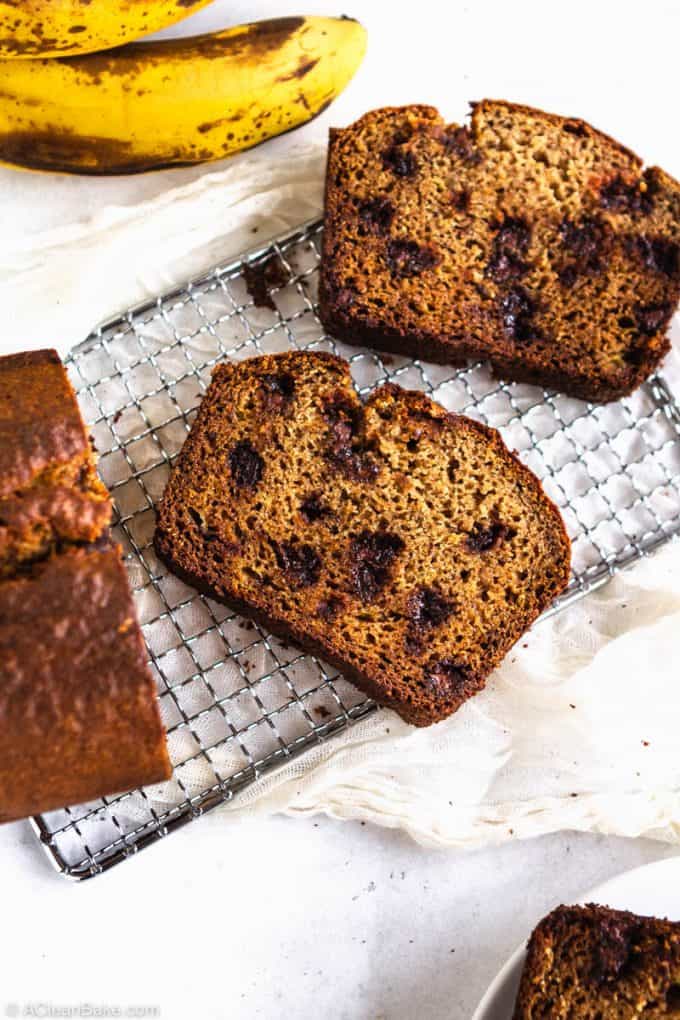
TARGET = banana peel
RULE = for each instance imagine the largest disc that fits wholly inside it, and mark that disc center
(57, 28)
(178, 102)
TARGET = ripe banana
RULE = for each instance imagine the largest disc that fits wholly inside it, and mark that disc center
(175, 102)
(57, 28)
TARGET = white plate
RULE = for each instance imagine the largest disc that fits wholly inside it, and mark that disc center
(653, 890)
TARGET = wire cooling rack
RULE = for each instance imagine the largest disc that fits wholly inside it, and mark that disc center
(236, 702)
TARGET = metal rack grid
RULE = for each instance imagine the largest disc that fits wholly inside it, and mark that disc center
(236, 702)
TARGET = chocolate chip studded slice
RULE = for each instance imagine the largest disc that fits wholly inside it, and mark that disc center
(403, 544)
(594, 963)
(528, 240)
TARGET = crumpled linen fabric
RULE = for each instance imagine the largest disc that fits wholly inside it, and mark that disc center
(578, 728)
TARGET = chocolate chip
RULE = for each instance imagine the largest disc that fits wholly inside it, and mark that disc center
(446, 678)
(408, 258)
(510, 244)
(517, 310)
(502, 267)
(620, 195)
(485, 537)
(400, 161)
(345, 451)
(278, 389)
(245, 464)
(426, 608)
(615, 937)
(339, 408)
(345, 424)
(458, 142)
(514, 235)
(377, 214)
(661, 255)
(299, 562)
(312, 509)
(356, 464)
(651, 318)
(582, 238)
(262, 277)
(584, 243)
(371, 556)
(281, 383)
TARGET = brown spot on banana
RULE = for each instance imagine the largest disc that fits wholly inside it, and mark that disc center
(40, 150)
(91, 156)
(258, 40)
(52, 149)
(304, 67)
(29, 47)
(46, 28)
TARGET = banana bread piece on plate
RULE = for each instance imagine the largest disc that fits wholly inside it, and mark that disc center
(403, 544)
(595, 963)
(528, 240)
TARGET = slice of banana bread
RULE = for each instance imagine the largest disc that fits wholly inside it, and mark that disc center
(526, 239)
(594, 963)
(399, 542)
(50, 493)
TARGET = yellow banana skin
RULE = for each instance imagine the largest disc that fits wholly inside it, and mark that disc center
(176, 102)
(58, 28)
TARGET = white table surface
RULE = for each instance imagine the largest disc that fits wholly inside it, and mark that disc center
(304, 919)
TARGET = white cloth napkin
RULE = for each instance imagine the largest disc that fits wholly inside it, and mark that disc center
(577, 729)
